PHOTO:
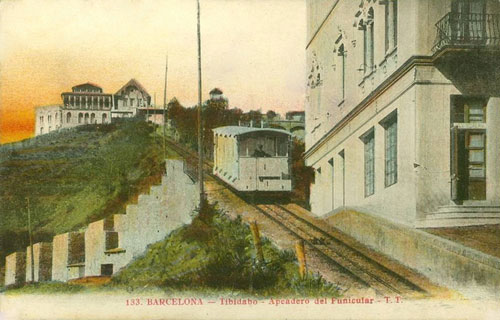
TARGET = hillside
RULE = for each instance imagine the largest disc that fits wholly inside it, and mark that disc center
(219, 256)
(74, 177)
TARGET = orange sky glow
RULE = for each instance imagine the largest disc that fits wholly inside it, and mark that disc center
(254, 50)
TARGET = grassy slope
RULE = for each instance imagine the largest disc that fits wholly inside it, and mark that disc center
(74, 177)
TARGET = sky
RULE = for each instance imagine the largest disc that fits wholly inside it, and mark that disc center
(254, 50)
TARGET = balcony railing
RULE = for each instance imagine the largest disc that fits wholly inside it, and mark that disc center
(468, 30)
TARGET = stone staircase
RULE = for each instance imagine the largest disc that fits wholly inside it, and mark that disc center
(461, 215)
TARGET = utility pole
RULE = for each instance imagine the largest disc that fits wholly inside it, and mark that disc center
(200, 118)
(31, 243)
(147, 112)
(165, 111)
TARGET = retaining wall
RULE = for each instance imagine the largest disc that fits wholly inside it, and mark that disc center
(108, 245)
(447, 263)
(42, 258)
(103, 254)
(15, 268)
(68, 256)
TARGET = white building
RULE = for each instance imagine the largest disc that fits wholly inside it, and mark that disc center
(403, 109)
(85, 104)
(129, 98)
(88, 104)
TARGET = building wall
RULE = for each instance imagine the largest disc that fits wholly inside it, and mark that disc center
(433, 142)
(493, 151)
(81, 117)
(325, 106)
(47, 119)
(349, 190)
(15, 268)
(42, 257)
(129, 99)
(167, 207)
(96, 251)
(68, 256)
(474, 274)
(403, 78)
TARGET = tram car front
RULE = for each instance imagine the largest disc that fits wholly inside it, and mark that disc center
(253, 160)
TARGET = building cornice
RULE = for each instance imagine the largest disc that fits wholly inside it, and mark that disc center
(386, 84)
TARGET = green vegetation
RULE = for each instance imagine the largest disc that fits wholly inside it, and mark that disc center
(48, 287)
(74, 177)
(216, 254)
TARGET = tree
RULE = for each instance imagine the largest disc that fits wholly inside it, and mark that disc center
(271, 115)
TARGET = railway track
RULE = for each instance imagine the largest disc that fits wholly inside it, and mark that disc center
(347, 258)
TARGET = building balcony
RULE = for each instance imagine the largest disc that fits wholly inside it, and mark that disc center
(467, 52)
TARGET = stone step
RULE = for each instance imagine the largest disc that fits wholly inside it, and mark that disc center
(131, 209)
(157, 191)
(468, 208)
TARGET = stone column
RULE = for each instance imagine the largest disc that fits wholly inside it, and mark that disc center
(493, 150)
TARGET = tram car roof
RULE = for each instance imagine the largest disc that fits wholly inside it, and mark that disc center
(233, 131)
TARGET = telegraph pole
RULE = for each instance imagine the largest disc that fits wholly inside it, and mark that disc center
(165, 111)
(200, 118)
(31, 243)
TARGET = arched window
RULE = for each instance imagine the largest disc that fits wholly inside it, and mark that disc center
(68, 117)
(86, 118)
(92, 118)
(80, 117)
(104, 117)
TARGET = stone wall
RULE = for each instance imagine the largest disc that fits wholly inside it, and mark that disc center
(110, 244)
(473, 273)
(68, 256)
(42, 258)
(15, 268)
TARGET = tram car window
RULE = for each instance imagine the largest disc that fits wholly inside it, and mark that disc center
(253, 159)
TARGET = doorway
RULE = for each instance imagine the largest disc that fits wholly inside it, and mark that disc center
(467, 21)
(469, 166)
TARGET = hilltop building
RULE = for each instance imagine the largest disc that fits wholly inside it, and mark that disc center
(403, 109)
(216, 94)
(130, 98)
(88, 104)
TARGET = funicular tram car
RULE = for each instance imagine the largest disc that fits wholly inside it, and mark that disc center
(253, 160)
